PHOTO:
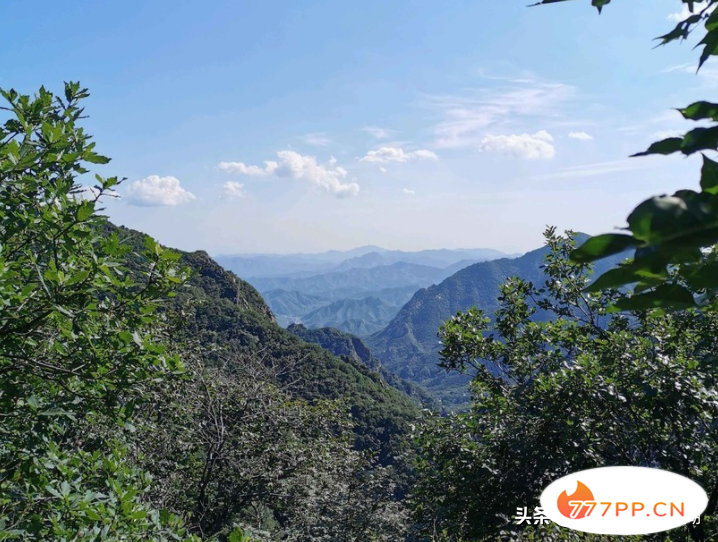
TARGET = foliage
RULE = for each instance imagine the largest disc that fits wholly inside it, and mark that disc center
(583, 389)
(266, 432)
(233, 448)
(77, 337)
(668, 232)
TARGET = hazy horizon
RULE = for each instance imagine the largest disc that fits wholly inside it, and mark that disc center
(247, 254)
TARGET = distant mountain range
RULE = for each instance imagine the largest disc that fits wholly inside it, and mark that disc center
(441, 259)
(395, 300)
(289, 306)
(352, 282)
(302, 265)
(357, 291)
(409, 345)
(279, 265)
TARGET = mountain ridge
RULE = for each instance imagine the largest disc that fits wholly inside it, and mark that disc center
(285, 265)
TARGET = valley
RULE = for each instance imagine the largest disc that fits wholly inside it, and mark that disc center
(357, 291)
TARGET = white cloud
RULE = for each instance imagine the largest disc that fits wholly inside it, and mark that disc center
(395, 154)
(329, 176)
(156, 191)
(293, 165)
(318, 139)
(243, 169)
(686, 12)
(467, 118)
(233, 189)
(378, 133)
(382, 169)
(528, 146)
(409, 192)
(581, 136)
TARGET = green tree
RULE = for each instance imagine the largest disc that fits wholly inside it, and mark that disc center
(583, 389)
(233, 446)
(79, 339)
(668, 232)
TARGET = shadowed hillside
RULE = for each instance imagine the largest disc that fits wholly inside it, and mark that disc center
(409, 344)
(343, 344)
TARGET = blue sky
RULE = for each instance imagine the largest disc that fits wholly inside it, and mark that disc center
(308, 125)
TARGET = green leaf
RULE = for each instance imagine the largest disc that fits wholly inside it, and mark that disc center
(85, 211)
(710, 43)
(629, 274)
(700, 110)
(709, 176)
(712, 21)
(33, 402)
(547, 2)
(601, 246)
(599, 4)
(92, 515)
(94, 158)
(151, 245)
(701, 277)
(700, 139)
(78, 277)
(666, 146)
(686, 216)
(666, 296)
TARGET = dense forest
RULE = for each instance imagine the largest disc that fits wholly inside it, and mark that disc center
(150, 394)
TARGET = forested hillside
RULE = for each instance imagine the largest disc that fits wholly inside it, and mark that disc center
(409, 345)
(357, 316)
(343, 344)
(227, 316)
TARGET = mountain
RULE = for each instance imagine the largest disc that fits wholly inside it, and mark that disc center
(409, 344)
(440, 258)
(356, 316)
(289, 307)
(276, 265)
(355, 281)
(393, 296)
(227, 316)
(345, 345)
(359, 300)
(303, 265)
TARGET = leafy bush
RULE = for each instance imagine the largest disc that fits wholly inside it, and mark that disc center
(584, 389)
(79, 339)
